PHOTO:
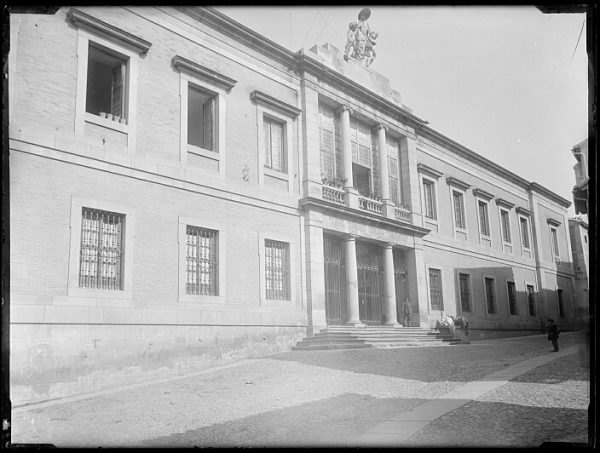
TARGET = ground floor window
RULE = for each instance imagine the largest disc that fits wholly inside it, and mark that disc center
(561, 307)
(512, 298)
(465, 292)
(277, 264)
(490, 295)
(100, 265)
(201, 261)
(531, 300)
(435, 289)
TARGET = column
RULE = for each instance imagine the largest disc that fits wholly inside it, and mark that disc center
(352, 282)
(390, 287)
(351, 192)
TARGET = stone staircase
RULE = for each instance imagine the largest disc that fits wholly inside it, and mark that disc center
(346, 337)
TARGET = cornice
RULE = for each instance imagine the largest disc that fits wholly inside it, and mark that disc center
(553, 222)
(183, 64)
(452, 181)
(309, 202)
(535, 187)
(429, 171)
(261, 98)
(482, 194)
(82, 20)
(504, 203)
(523, 211)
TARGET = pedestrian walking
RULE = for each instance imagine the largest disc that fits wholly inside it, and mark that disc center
(553, 332)
(406, 311)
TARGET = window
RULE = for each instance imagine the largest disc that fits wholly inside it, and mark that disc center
(459, 209)
(435, 289)
(554, 237)
(327, 144)
(585, 238)
(100, 263)
(512, 298)
(201, 118)
(361, 142)
(277, 278)
(524, 232)
(490, 295)
(484, 223)
(274, 145)
(531, 300)
(106, 92)
(201, 261)
(429, 198)
(465, 292)
(361, 178)
(505, 225)
(394, 172)
(561, 308)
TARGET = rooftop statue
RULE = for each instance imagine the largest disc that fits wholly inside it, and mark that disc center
(361, 40)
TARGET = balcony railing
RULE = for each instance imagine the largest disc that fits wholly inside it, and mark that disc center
(403, 214)
(369, 204)
(333, 194)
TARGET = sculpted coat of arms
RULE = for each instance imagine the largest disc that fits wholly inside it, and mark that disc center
(360, 44)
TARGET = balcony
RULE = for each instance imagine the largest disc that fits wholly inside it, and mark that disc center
(333, 193)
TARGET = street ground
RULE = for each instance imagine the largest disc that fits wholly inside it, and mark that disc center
(341, 398)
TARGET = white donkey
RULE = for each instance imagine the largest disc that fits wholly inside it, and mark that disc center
(452, 322)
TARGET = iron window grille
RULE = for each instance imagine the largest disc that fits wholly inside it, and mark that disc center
(101, 253)
(490, 295)
(277, 278)
(201, 261)
(512, 298)
(465, 292)
(435, 289)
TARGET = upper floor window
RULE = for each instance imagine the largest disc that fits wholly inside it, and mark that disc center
(484, 222)
(274, 145)
(100, 261)
(277, 265)
(490, 294)
(107, 83)
(201, 261)
(394, 171)
(554, 238)
(458, 202)
(524, 232)
(429, 199)
(327, 144)
(505, 225)
(201, 117)
(361, 142)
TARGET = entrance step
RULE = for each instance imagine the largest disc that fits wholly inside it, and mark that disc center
(345, 337)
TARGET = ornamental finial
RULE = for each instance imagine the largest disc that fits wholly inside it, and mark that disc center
(361, 40)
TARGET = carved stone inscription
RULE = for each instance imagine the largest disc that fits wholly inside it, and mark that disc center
(366, 229)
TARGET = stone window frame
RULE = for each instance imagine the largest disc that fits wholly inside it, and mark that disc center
(485, 294)
(211, 82)
(128, 244)
(278, 111)
(524, 214)
(441, 271)
(484, 197)
(505, 206)
(429, 175)
(553, 228)
(291, 241)
(201, 299)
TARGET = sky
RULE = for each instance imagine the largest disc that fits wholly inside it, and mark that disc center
(509, 83)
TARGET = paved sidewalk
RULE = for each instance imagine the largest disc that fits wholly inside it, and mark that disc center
(409, 396)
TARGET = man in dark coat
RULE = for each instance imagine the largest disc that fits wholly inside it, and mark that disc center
(553, 333)
(406, 310)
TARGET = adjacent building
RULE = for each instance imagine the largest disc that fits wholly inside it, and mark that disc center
(184, 190)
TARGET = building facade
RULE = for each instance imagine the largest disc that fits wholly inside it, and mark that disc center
(184, 191)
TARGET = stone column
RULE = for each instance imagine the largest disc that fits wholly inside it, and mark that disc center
(390, 287)
(352, 282)
(351, 192)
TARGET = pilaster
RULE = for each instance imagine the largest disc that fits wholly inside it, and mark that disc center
(417, 282)
(410, 177)
(315, 269)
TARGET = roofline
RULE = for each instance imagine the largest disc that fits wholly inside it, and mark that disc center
(534, 186)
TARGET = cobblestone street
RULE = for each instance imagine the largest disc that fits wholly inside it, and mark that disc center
(328, 398)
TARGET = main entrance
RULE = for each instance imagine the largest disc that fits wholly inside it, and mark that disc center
(335, 280)
(369, 263)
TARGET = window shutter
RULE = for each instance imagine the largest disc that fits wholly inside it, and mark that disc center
(268, 150)
(208, 114)
(116, 101)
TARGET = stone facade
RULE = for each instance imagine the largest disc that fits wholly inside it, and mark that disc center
(404, 217)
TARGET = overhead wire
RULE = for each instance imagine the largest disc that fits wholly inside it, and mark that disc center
(310, 29)
(580, 32)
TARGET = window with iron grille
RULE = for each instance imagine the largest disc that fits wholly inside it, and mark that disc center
(435, 289)
(429, 197)
(561, 306)
(101, 253)
(106, 82)
(531, 299)
(201, 261)
(484, 224)
(327, 143)
(274, 145)
(512, 298)
(394, 172)
(201, 118)
(554, 235)
(277, 275)
(490, 295)
(465, 292)
(524, 233)
(459, 209)
(505, 223)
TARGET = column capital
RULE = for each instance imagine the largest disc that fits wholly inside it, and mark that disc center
(344, 108)
(379, 127)
(388, 245)
(351, 236)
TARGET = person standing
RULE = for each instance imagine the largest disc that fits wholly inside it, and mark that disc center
(406, 311)
(553, 333)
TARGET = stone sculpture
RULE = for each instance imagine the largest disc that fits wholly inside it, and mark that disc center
(361, 40)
